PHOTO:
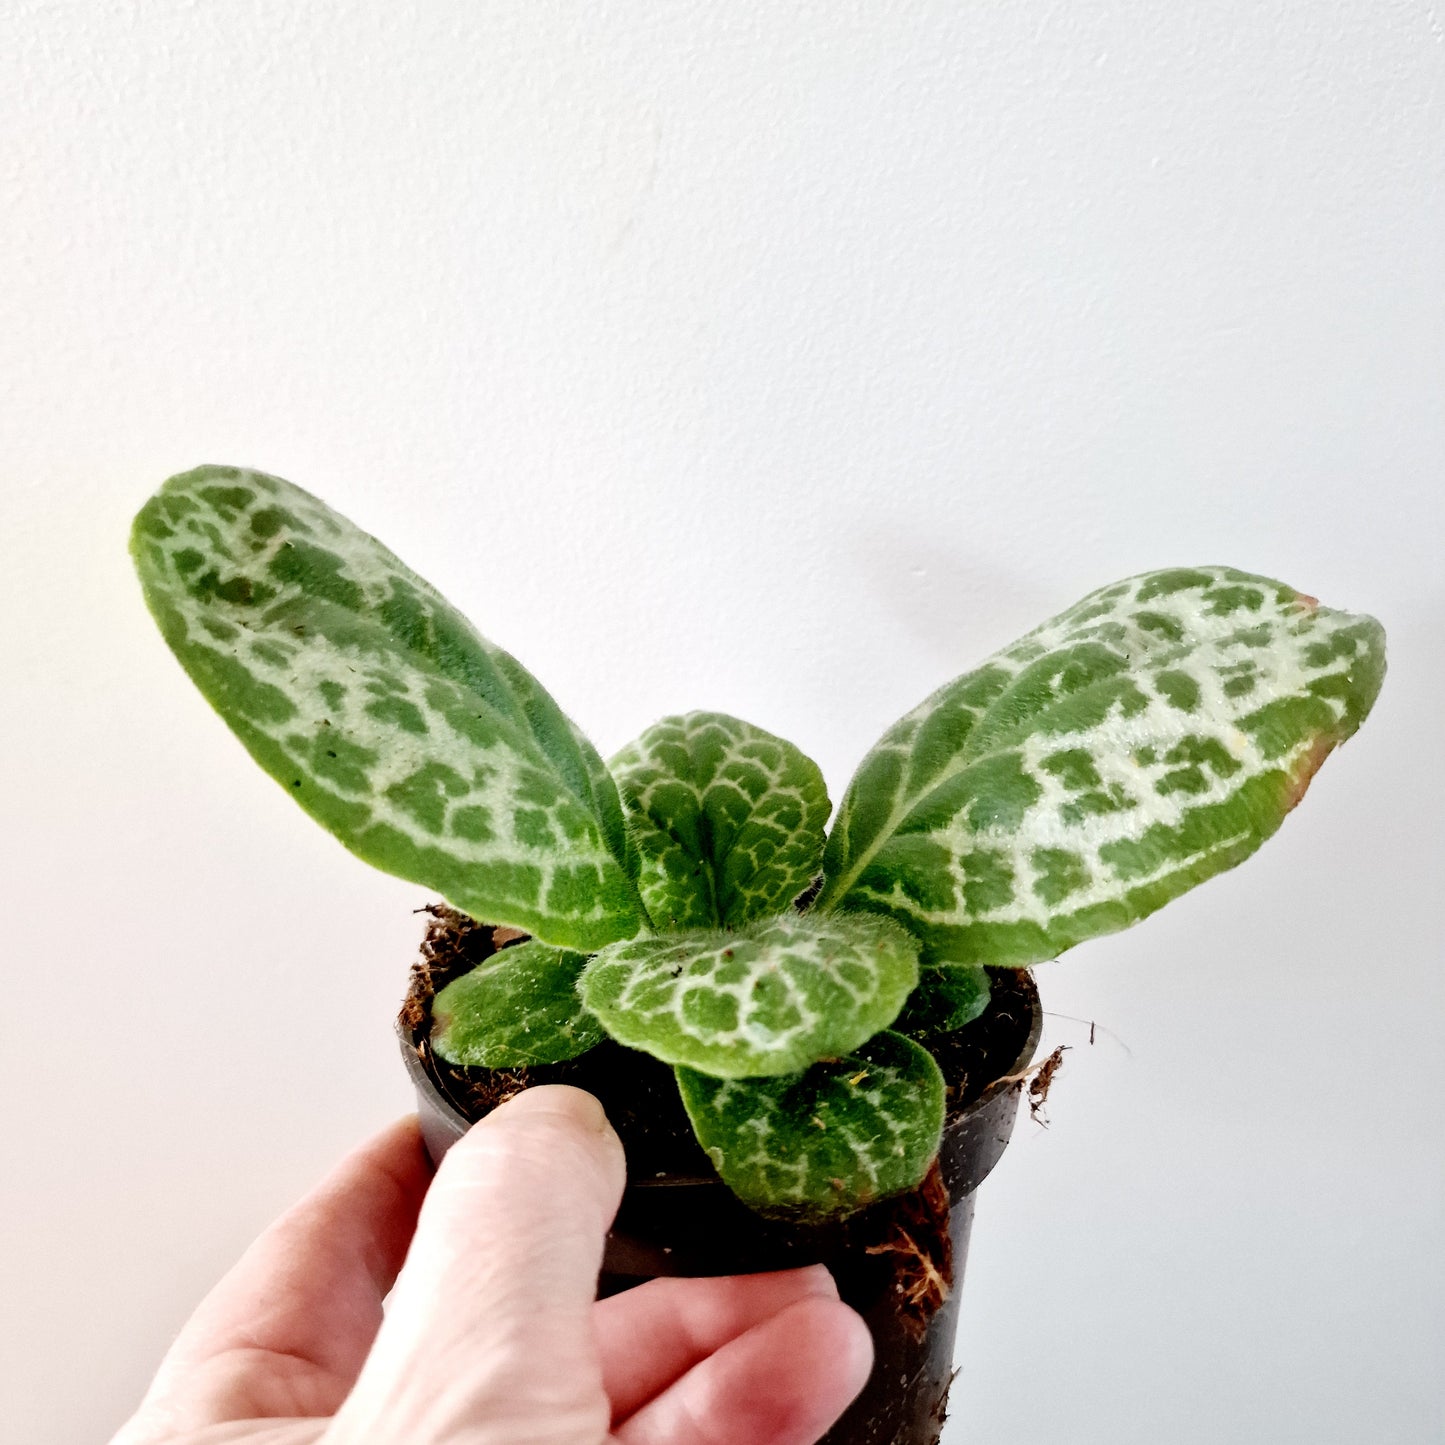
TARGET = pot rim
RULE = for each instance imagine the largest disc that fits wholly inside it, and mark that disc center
(456, 1123)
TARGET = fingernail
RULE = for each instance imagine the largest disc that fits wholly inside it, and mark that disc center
(821, 1281)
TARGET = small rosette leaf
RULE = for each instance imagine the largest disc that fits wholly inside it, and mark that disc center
(425, 750)
(1148, 738)
(769, 999)
(827, 1141)
(517, 1008)
(729, 820)
(948, 996)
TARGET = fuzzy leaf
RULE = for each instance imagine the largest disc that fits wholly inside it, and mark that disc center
(948, 996)
(827, 1141)
(769, 999)
(1151, 736)
(728, 818)
(427, 751)
(516, 1008)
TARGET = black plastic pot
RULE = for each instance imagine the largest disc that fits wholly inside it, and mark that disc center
(696, 1226)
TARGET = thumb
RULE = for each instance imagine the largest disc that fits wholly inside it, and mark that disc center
(488, 1333)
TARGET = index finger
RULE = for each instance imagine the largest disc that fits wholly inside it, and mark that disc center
(306, 1296)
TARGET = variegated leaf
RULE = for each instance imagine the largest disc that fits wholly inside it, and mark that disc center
(1151, 736)
(425, 750)
(728, 818)
(768, 999)
(828, 1141)
(948, 996)
(517, 1008)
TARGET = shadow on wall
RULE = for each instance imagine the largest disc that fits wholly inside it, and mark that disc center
(954, 608)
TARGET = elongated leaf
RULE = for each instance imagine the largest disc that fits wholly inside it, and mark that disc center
(1143, 741)
(948, 996)
(827, 1141)
(728, 818)
(769, 999)
(426, 751)
(517, 1008)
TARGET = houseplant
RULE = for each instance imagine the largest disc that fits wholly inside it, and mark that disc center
(682, 914)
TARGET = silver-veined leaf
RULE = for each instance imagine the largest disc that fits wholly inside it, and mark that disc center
(1151, 736)
(425, 750)
(768, 999)
(827, 1141)
(729, 820)
(516, 1008)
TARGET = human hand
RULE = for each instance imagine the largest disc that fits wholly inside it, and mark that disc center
(492, 1335)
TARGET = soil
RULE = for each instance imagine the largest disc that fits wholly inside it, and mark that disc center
(639, 1092)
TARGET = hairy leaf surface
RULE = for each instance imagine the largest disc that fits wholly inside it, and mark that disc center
(427, 751)
(1151, 736)
(516, 1008)
(728, 818)
(769, 999)
(826, 1141)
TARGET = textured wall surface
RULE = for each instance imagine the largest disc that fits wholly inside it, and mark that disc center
(782, 358)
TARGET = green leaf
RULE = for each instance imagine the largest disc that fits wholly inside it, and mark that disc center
(729, 819)
(516, 1008)
(769, 999)
(1151, 736)
(948, 996)
(827, 1141)
(427, 751)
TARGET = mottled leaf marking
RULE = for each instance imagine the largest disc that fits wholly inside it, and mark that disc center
(517, 1008)
(425, 750)
(1151, 736)
(728, 819)
(768, 999)
(826, 1141)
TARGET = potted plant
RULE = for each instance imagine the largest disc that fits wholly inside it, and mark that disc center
(812, 1041)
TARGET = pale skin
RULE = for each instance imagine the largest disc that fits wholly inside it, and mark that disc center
(491, 1334)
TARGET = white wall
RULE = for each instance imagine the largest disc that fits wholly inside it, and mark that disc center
(781, 358)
